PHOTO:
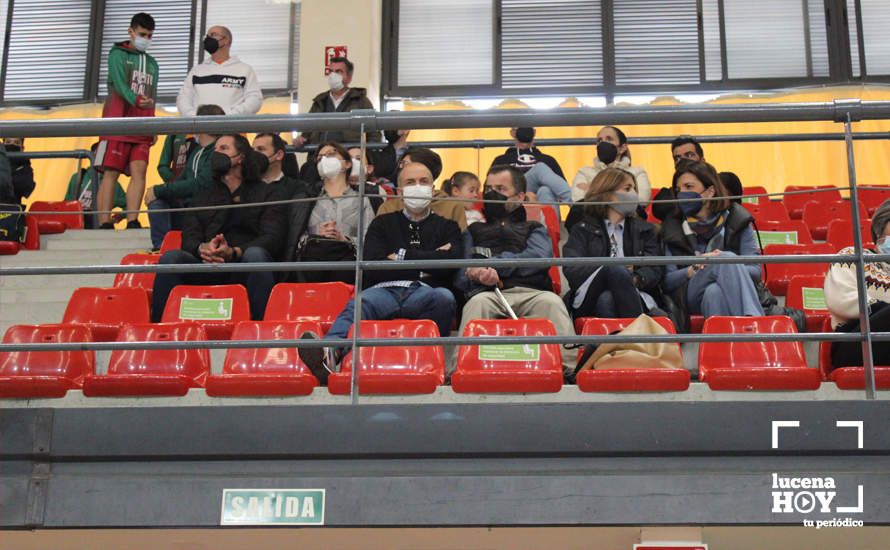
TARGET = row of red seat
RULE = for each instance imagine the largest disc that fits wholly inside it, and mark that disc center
(401, 369)
(801, 195)
(823, 221)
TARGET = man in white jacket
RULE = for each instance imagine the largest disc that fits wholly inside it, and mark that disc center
(220, 80)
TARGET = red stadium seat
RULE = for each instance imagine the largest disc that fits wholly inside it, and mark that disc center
(795, 203)
(320, 302)
(784, 232)
(144, 281)
(393, 369)
(840, 234)
(873, 198)
(9, 248)
(105, 310)
(806, 292)
(754, 365)
(57, 223)
(817, 216)
(32, 234)
(767, 211)
(264, 371)
(508, 368)
(216, 307)
(618, 380)
(141, 372)
(546, 215)
(777, 276)
(32, 374)
(848, 378)
(172, 241)
(754, 190)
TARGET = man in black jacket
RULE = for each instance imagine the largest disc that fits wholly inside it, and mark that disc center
(22, 174)
(252, 234)
(414, 233)
(506, 234)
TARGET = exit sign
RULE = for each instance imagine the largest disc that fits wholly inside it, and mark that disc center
(272, 507)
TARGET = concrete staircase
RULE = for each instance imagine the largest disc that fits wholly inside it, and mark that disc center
(38, 299)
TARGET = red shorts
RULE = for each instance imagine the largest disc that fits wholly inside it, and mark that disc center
(117, 155)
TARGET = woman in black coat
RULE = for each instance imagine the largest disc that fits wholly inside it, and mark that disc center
(611, 230)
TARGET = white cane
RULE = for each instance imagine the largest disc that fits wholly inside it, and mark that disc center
(506, 305)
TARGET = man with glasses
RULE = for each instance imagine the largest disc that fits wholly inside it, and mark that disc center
(221, 79)
(413, 233)
(506, 234)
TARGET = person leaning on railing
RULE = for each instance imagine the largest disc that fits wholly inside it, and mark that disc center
(842, 297)
(612, 231)
(708, 224)
(224, 235)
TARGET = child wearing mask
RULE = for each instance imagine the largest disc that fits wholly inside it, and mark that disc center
(465, 185)
(611, 231)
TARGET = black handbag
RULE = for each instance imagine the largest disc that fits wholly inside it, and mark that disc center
(12, 223)
(315, 248)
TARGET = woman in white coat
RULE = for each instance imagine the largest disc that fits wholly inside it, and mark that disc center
(611, 151)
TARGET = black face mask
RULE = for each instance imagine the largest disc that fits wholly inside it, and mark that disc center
(220, 164)
(606, 152)
(211, 44)
(391, 136)
(13, 148)
(494, 210)
(262, 162)
(525, 135)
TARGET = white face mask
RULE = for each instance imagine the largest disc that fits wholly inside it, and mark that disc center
(335, 81)
(329, 167)
(417, 197)
(357, 171)
(141, 43)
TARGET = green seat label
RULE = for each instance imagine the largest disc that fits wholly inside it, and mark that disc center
(813, 298)
(205, 309)
(510, 352)
(778, 237)
(272, 507)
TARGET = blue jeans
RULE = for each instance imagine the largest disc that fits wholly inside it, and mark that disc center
(162, 222)
(547, 185)
(723, 289)
(415, 302)
(259, 283)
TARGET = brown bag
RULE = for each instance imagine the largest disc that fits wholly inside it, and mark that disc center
(636, 355)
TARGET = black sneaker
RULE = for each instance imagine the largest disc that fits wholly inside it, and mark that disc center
(106, 225)
(134, 224)
(315, 358)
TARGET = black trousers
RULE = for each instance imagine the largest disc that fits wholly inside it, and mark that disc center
(849, 354)
(611, 294)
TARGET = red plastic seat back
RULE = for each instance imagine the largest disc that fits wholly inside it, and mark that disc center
(596, 326)
(216, 307)
(320, 302)
(144, 281)
(510, 357)
(873, 198)
(172, 241)
(749, 354)
(267, 360)
(817, 215)
(191, 363)
(546, 215)
(777, 276)
(784, 232)
(806, 292)
(796, 202)
(840, 233)
(69, 365)
(32, 234)
(396, 360)
(767, 211)
(105, 310)
(70, 221)
(754, 190)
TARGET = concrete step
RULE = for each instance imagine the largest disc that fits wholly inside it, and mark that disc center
(87, 240)
(33, 314)
(63, 257)
(37, 283)
(94, 234)
(36, 297)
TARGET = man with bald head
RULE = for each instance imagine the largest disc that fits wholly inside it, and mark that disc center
(221, 80)
(413, 233)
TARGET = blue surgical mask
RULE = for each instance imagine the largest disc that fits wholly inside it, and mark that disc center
(883, 246)
(693, 206)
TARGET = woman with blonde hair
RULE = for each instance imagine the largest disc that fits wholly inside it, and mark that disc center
(611, 229)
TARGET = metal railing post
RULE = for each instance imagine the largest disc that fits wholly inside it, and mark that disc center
(864, 321)
(359, 254)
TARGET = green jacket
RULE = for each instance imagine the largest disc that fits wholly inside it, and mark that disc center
(174, 156)
(196, 176)
(76, 193)
(130, 73)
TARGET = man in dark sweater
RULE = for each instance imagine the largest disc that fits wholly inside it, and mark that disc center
(252, 234)
(414, 233)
